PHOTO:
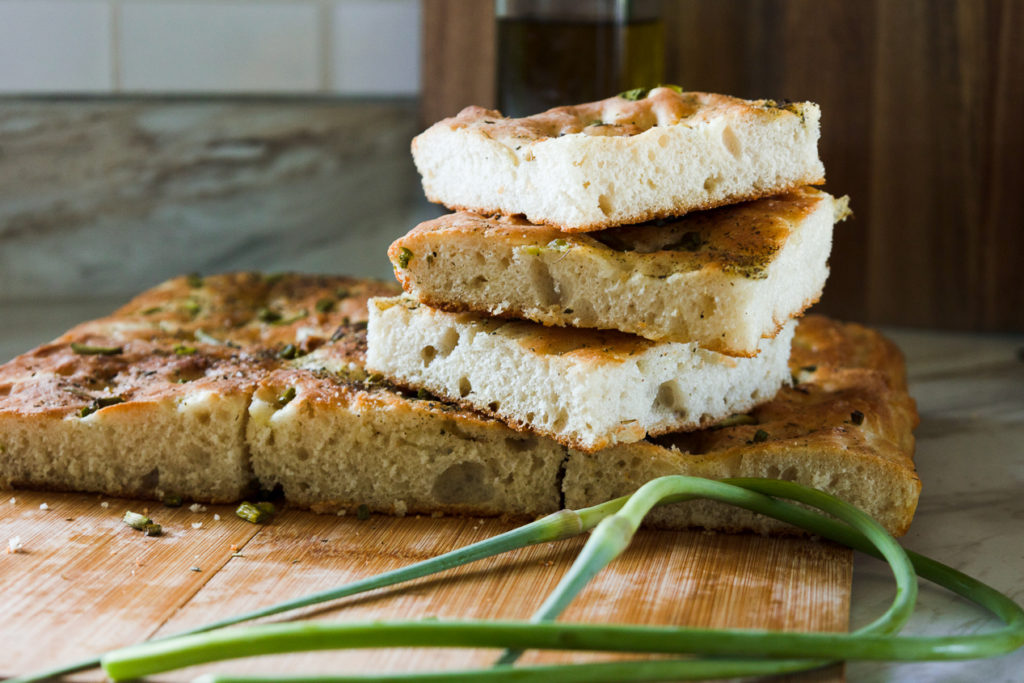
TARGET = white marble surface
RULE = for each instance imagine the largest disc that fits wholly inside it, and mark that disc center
(109, 197)
(970, 456)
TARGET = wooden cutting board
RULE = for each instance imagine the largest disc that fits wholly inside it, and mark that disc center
(84, 582)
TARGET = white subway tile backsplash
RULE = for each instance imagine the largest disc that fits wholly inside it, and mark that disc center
(225, 46)
(55, 46)
(376, 47)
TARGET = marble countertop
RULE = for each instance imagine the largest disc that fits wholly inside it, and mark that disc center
(970, 456)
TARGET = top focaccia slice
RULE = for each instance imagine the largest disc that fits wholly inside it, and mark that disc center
(723, 278)
(620, 160)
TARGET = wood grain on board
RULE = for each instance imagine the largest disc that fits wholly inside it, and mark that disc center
(921, 125)
(85, 582)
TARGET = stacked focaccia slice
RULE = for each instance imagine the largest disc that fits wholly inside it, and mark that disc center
(579, 324)
(208, 388)
(627, 331)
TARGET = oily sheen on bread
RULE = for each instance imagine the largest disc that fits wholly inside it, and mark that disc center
(619, 161)
(723, 278)
(213, 403)
(589, 389)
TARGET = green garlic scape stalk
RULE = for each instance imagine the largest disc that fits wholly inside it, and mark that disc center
(615, 521)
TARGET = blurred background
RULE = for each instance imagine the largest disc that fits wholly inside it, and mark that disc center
(140, 139)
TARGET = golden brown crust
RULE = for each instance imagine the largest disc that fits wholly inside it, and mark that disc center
(649, 215)
(739, 239)
(55, 380)
(243, 309)
(617, 116)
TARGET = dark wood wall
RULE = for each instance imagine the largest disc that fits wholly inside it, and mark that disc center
(922, 125)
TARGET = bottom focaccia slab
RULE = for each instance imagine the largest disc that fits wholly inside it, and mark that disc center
(337, 444)
(205, 389)
(844, 426)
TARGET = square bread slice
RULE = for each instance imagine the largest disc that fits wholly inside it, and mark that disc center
(626, 159)
(845, 426)
(334, 444)
(202, 386)
(589, 389)
(128, 418)
(723, 278)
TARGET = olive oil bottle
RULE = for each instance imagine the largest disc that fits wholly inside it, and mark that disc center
(554, 52)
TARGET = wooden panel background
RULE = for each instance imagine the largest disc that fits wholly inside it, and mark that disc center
(923, 126)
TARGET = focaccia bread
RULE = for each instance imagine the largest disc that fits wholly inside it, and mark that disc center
(334, 439)
(844, 426)
(723, 278)
(147, 409)
(620, 160)
(198, 386)
(127, 417)
(589, 389)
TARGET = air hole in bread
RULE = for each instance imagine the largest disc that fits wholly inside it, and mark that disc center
(663, 141)
(561, 419)
(451, 427)
(543, 284)
(788, 474)
(477, 281)
(493, 406)
(203, 417)
(731, 142)
(463, 482)
(448, 341)
(5, 389)
(651, 156)
(604, 202)
(151, 480)
(651, 184)
(772, 472)
(712, 182)
(464, 387)
(520, 445)
(530, 415)
(428, 353)
(302, 455)
(666, 398)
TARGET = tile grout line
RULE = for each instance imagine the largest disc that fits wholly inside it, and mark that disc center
(115, 45)
(325, 37)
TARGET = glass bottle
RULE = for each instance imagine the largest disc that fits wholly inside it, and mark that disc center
(555, 52)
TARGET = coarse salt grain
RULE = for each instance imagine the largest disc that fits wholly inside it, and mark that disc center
(196, 507)
(197, 525)
(104, 504)
(14, 544)
(44, 506)
(12, 501)
(216, 518)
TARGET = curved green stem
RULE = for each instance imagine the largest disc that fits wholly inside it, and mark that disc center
(600, 672)
(155, 657)
(614, 534)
